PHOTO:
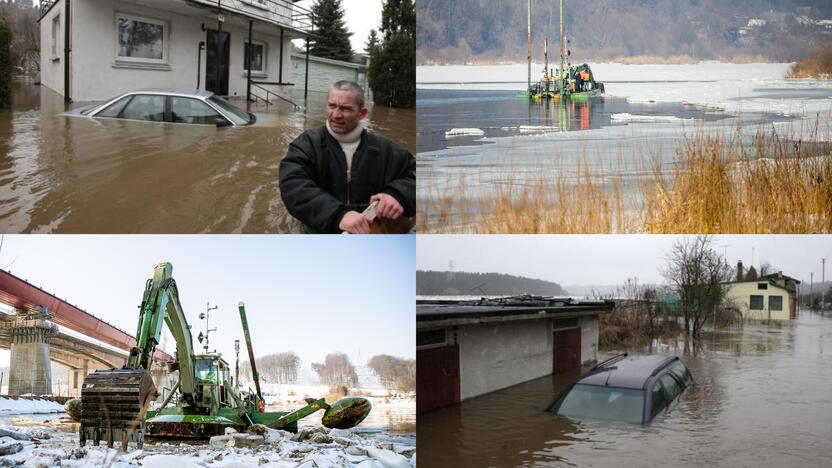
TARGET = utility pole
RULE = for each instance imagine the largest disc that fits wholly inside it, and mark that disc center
(237, 365)
(206, 315)
(823, 281)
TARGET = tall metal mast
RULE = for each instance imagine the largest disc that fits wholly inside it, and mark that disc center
(562, 84)
(529, 57)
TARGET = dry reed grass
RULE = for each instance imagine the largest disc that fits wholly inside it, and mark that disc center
(717, 184)
(817, 65)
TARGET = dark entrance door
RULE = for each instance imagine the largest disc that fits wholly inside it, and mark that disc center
(217, 52)
(567, 350)
(437, 378)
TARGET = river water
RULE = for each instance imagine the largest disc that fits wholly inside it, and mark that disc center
(761, 398)
(78, 175)
(648, 112)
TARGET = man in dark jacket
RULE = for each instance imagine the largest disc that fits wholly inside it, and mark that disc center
(331, 174)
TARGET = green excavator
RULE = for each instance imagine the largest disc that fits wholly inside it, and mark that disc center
(115, 403)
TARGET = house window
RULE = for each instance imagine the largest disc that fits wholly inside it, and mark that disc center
(141, 39)
(756, 302)
(775, 302)
(258, 57)
(56, 36)
(761, 286)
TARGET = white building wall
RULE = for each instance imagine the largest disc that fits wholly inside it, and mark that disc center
(497, 355)
(52, 66)
(740, 295)
(323, 72)
(95, 75)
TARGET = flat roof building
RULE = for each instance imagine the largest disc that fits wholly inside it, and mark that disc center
(469, 348)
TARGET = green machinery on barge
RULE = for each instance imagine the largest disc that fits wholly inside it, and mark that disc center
(575, 82)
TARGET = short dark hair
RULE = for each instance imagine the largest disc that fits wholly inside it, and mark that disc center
(347, 85)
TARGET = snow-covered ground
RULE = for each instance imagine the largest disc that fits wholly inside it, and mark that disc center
(31, 434)
(55, 443)
(10, 406)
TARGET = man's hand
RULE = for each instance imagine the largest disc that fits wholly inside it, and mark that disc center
(388, 206)
(354, 223)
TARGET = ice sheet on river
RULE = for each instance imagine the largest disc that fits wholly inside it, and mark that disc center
(735, 88)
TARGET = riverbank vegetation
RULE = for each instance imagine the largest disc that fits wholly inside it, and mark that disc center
(694, 296)
(816, 65)
(719, 182)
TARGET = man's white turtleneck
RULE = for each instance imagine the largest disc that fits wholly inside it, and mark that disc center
(349, 142)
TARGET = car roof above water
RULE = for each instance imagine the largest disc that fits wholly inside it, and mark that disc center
(626, 371)
(174, 92)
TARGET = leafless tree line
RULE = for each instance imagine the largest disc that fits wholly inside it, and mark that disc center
(25, 37)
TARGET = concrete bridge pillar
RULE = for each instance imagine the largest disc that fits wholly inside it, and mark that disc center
(30, 370)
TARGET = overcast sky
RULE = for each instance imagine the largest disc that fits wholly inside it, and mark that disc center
(610, 260)
(309, 294)
(361, 16)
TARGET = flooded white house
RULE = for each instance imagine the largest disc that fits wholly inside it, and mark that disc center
(97, 49)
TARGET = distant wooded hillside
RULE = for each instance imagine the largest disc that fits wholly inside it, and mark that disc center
(460, 31)
(443, 283)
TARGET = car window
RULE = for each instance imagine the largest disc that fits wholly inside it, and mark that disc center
(115, 108)
(239, 116)
(609, 403)
(146, 107)
(659, 399)
(193, 111)
(672, 386)
(680, 371)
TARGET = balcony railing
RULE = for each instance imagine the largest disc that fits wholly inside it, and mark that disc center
(280, 12)
(45, 5)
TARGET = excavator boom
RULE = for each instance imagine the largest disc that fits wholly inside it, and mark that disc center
(114, 402)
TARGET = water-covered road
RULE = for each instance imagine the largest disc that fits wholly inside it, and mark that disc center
(761, 398)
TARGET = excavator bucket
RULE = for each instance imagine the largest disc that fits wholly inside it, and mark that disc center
(113, 406)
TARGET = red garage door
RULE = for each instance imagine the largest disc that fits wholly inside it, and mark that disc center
(567, 350)
(437, 378)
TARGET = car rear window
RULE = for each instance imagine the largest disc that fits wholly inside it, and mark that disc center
(193, 111)
(607, 403)
(240, 116)
(679, 370)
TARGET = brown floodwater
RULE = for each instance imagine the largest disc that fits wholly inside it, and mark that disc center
(80, 175)
(762, 397)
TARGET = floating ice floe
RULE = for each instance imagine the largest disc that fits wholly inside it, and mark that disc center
(464, 131)
(537, 128)
(640, 100)
(626, 117)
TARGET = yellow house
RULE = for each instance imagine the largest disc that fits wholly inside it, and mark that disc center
(762, 299)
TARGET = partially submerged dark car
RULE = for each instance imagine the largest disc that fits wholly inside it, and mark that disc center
(632, 389)
(170, 105)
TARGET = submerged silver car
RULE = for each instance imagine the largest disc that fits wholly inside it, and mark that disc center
(171, 105)
(633, 389)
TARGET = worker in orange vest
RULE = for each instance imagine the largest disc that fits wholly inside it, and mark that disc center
(585, 79)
